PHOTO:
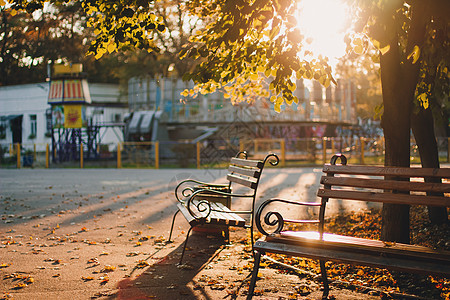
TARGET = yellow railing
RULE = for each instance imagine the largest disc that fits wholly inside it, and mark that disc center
(207, 154)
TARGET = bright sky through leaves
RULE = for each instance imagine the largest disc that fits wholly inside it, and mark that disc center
(323, 24)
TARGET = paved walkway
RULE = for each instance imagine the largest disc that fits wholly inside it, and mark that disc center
(97, 233)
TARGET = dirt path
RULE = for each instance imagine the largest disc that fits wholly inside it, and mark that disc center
(99, 233)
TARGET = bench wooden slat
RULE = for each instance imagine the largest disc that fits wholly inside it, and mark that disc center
(241, 180)
(245, 171)
(247, 162)
(387, 171)
(190, 219)
(225, 214)
(385, 197)
(386, 184)
(237, 220)
(220, 218)
(221, 215)
(355, 244)
(343, 256)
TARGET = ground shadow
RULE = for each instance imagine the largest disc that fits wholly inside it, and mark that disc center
(166, 279)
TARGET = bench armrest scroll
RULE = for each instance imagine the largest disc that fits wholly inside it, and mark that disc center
(187, 187)
(272, 158)
(274, 218)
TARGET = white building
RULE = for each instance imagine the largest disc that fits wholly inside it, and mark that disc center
(25, 114)
(335, 104)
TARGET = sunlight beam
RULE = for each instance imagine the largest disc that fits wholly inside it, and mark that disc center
(324, 23)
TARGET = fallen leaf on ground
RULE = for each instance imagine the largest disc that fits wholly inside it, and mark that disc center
(108, 268)
(142, 264)
(87, 278)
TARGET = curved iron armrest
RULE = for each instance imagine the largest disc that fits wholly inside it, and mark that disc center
(278, 219)
(204, 206)
(188, 190)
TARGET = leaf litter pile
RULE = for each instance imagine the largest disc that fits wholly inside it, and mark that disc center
(373, 281)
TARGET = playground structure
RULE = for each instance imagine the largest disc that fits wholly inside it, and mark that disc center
(75, 133)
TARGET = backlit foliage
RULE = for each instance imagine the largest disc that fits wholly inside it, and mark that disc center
(118, 25)
(253, 47)
(388, 24)
(247, 42)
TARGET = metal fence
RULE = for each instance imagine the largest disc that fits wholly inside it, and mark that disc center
(212, 153)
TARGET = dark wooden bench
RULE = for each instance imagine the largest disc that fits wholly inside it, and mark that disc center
(207, 204)
(411, 186)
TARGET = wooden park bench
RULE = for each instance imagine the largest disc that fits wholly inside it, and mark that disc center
(207, 204)
(411, 186)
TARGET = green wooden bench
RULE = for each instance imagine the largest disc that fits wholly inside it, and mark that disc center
(207, 204)
(411, 186)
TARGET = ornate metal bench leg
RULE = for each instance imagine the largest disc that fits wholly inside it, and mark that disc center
(251, 288)
(185, 244)
(326, 287)
(171, 227)
(227, 234)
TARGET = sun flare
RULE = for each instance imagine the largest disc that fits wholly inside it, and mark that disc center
(323, 23)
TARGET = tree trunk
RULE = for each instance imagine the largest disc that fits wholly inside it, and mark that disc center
(396, 127)
(422, 124)
(399, 79)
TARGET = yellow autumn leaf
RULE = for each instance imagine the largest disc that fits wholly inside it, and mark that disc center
(273, 72)
(277, 108)
(2, 3)
(29, 280)
(357, 42)
(111, 47)
(384, 50)
(142, 264)
(108, 268)
(415, 54)
(358, 49)
(423, 100)
(20, 285)
(98, 55)
(308, 74)
(87, 278)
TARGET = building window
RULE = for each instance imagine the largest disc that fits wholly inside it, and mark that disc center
(117, 118)
(33, 126)
(3, 125)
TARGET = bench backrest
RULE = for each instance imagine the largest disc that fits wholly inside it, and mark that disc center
(397, 185)
(247, 172)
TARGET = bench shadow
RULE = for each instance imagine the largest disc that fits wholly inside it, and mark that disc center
(164, 278)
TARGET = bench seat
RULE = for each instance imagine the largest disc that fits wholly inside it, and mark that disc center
(220, 215)
(347, 249)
